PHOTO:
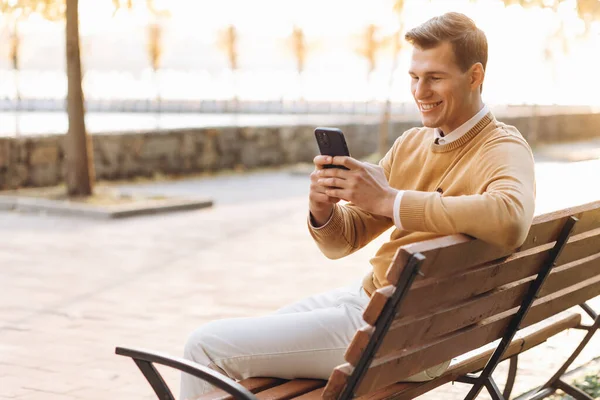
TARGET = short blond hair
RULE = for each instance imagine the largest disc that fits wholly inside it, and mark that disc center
(468, 41)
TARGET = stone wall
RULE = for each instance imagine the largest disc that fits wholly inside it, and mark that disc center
(40, 161)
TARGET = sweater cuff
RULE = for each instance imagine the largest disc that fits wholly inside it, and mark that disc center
(332, 227)
(396, 211)
(412, 210)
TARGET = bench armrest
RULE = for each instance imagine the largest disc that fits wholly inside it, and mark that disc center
(211, 376)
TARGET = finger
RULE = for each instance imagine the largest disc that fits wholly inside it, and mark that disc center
(321, 161)
(323, 198)
(332, 182)
(317, 188)
(348, 162)
(339, 193)
(314, 176)
(333, 173)
(321, 173)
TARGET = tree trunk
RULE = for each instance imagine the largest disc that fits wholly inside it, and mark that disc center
(79, 156)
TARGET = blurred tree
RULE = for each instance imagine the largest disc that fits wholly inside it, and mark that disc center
(299, 48)
(397, 45)
(155, 43)
(370, 47)
(122, 5)
(155, 51)
(155, 33)
(17, 12)
(228, 43)
(557, 44)
(13, 54)
(587, 10)
(80, 166)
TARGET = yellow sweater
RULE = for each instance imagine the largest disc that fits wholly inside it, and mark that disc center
(482, 185)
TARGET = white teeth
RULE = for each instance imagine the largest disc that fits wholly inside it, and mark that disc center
(430, 106)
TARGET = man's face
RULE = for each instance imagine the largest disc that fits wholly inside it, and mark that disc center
(442, 91)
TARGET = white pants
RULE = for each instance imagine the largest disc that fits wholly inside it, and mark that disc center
(307, 339)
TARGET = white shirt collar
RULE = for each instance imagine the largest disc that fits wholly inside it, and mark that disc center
(461, 130)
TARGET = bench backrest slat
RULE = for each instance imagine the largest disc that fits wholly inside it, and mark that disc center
(461, 252)
(545, 228)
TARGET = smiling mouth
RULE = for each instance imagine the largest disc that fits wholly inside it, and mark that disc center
(428, 106)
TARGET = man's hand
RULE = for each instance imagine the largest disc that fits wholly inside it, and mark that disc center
(320, 204)
(363, 184)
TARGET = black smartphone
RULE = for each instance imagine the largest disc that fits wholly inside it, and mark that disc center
(331, 142)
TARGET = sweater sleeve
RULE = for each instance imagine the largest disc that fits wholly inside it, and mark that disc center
(351, 228)
(501, 215)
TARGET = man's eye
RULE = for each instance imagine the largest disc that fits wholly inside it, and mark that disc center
(414, 78)
(435, 78)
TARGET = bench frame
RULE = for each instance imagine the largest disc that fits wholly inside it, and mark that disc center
(145, 359)
(556, 382)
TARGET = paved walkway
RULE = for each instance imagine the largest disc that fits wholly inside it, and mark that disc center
(73, 289)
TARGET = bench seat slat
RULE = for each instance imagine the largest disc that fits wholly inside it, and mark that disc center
(255, 385)
(272, 389)
(314, 395)
(291, 389)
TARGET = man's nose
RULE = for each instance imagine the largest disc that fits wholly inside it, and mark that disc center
(422, 91)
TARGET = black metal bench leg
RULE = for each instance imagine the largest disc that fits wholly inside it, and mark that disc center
(542, 394)
(572, 391)
(556, 382)
(489, 384)
(492, 388)
(512, 375)
(156, 381)
(591, 330)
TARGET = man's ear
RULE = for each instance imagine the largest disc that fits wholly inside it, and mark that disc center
(477, 75)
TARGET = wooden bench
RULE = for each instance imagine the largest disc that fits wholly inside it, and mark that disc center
(448, 297)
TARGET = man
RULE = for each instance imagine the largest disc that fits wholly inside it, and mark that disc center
(463, 172)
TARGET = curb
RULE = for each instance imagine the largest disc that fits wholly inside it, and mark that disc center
(69, 208)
